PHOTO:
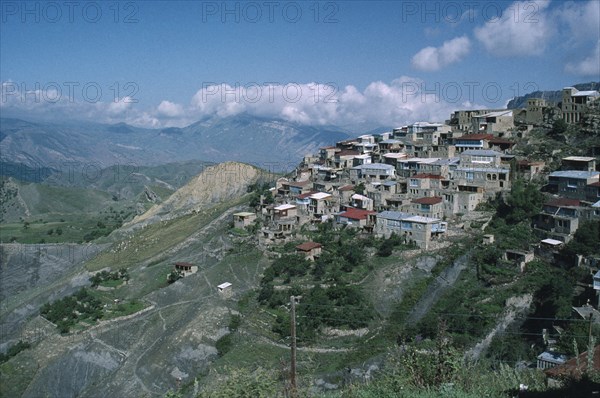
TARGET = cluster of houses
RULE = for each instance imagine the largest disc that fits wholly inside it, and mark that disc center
(415, 179)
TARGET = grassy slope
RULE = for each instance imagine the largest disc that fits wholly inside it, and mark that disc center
(75, 211)
(147, 244)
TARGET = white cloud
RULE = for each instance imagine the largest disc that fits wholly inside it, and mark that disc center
(169, 109)
(523, 29)
(582, 20)
(399, 102)
(435, 58)
(589, 66)
(120, 107)
(402, 101)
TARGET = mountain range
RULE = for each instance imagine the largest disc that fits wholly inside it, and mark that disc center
(272, 144)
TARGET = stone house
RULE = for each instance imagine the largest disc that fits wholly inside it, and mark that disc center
(243, 219)
(310, 250)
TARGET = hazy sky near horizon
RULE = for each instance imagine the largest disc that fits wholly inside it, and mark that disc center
(347, 63)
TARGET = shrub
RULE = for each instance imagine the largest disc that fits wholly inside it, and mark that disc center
(224, 344)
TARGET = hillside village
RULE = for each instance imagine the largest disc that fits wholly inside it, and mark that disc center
(385, 239)
(419, 181)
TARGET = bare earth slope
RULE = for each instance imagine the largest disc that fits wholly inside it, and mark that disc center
(215, 184)
(174, 336)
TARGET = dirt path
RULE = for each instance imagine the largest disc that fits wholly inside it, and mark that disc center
(514, 306)
(268, 341)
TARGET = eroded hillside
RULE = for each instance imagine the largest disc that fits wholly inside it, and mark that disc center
(172, 336)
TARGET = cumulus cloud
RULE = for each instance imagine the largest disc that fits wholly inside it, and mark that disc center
(402, 101)
(398, 102)
(434, 58)
(589, 66)
(523, 29)
(52, 102)
(170, 109)
(120, 106)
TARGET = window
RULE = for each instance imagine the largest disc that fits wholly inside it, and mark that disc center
(406, 225)
(470, 175)
(482, 159)
(393, 223)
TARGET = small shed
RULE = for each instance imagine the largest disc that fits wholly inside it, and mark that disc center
(520, 258)
(225, 288)
(186, 268)
(552, 244)
(488, 239)
(310, 250)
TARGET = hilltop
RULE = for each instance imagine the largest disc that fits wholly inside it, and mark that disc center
(216, 184)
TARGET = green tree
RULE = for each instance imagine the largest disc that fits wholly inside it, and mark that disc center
(224, 344)
(585, 240)
(386, 248)
(174, 276)
(524, 201)
(360, 188)
(559, 128)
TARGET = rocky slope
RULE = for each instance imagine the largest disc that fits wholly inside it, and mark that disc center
(215, 184)
(142, 354)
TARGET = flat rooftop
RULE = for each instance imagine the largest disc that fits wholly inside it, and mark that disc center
(575, 174)
(579, 158)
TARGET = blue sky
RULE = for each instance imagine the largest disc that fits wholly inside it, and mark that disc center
(348, 63)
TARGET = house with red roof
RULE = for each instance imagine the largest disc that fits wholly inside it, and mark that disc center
(185, 268)
(310, 250)
(345, 158)
(432, 206)
(574, 368)
(354, 217)
(424, 184)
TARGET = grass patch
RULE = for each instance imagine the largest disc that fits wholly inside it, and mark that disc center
(156, 238)
(124, 309)
(17, 373)
(111, 283)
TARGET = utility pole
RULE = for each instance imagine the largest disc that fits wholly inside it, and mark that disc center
(590, 348)
(293, 345)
